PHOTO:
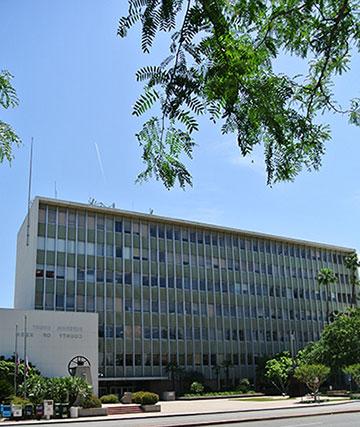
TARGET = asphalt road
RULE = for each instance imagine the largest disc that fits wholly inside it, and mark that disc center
(350, 420)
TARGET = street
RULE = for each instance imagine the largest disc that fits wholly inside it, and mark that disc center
(350, 420)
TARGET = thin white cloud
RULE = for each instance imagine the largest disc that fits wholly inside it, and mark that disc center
(100, 162)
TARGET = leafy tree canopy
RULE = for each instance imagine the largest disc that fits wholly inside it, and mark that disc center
(278, 371)
(221, 63)
(312, 375)
(354, 372)
(326, 277)
(339, 344)
(7, 369)
(8, 98)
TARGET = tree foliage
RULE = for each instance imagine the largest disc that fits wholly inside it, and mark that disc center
(8, 99)
(7, 370)
(339, 344)
(354, 372)
(222, 61)
(313, 376)
(6, 390)
(326, 277)
(352, 263)
(59, 389)
(279, 370)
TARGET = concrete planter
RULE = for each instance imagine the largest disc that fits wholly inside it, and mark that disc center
(93, 412)
(168, 395)
(151, 408)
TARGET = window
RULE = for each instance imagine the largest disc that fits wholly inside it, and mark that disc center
(118, 226)
(127, 252)
(51, 216)
(41, 243)
(153, 230)
(39, 271)
(80, 274)
(60, 272)
(50, 244)
(109, 251)
(100, 250)
(42, 215)
(80, 248)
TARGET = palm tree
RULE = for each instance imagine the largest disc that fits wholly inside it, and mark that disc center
(227, 364)
(173, 369)
(326, 277)
(217, 369)
(352, 263)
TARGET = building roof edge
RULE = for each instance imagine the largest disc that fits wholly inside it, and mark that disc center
(183, 222)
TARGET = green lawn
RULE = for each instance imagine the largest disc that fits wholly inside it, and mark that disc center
(262, 399)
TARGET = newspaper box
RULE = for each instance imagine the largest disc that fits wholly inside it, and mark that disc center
(39, 411)
(48, 408)
(16, 411)
(6, 411)
(28, 411)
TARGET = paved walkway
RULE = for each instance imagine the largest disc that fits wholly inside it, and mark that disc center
(278, 407)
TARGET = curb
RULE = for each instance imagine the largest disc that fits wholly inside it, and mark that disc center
(189, 414)
(258, 419)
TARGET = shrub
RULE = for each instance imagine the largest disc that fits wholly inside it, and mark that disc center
(196, 387)
(244, 386)
(91, 402)
(17, 400)
(145, 398)
(6, 390)
(109, 398)
(60, 390)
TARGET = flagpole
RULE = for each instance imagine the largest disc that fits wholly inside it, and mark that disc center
(16, 360)
(25, 354)
(29, 193)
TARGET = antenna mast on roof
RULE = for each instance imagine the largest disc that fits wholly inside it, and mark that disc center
(29, 193)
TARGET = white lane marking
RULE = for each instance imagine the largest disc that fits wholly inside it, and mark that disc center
(303, 425)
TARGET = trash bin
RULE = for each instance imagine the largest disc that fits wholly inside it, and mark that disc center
(74, 412)
(6, 411)
(39, 411)
(57, 410)
(28, 411)
(65, 410)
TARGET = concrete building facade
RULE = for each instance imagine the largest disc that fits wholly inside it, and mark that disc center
(169, 290)
(52, 339)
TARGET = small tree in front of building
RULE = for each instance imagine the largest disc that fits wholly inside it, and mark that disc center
(217, 369)
(279, 370)
(354, 372)
(227, 364)
(313, 376)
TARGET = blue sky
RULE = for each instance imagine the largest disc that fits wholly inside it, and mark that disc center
(75, 80)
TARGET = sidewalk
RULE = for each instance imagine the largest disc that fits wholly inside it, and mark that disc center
(218, 406)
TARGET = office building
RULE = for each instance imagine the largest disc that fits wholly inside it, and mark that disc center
(169, 290)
